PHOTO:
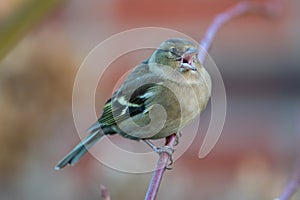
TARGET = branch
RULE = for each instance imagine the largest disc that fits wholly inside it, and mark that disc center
(292, 187)
(272, 8)
(160, 168)
(104, 192)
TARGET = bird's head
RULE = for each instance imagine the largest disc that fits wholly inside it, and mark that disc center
(179, 55)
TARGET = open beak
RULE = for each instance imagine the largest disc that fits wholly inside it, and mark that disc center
(187, 60)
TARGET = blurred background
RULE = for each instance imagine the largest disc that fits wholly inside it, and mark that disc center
(47, 41)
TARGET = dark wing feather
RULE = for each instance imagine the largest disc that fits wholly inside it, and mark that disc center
(129, 100)
(114, 111)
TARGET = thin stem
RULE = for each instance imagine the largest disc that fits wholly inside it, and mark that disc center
(270, 8)
(291, 188)
(160, 168)
(104, 192)
(293, 184)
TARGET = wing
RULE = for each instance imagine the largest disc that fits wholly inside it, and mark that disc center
(134, 98)
(121, 107)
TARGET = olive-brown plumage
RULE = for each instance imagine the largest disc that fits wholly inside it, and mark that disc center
(160, 96)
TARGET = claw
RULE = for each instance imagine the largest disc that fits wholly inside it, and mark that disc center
(178, 135)
(168, 150)
(164, 149)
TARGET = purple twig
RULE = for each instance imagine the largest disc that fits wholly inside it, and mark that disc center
(291, 188)
(160, 168)
(270, 8)
(104, 192)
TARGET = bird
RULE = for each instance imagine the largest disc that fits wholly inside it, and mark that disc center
(160, 96)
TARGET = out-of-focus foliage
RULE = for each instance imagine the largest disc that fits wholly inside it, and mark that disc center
(20, 18)
(35, 82)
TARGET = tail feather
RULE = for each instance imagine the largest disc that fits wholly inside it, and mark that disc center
(73, 157)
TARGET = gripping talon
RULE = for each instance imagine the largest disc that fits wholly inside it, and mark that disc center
(168, 150)
(164, 149)
(178, 135)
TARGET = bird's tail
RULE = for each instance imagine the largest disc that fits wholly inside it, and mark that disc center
(73, 157)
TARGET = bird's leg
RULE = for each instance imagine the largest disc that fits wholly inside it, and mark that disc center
(164, 149)
(150, 144)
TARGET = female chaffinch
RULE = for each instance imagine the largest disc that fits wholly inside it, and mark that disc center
(160, 96)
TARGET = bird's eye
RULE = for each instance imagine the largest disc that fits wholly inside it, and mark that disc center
(173, 50)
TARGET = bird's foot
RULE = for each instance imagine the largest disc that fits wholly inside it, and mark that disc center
(168, 150)
(164, 149)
